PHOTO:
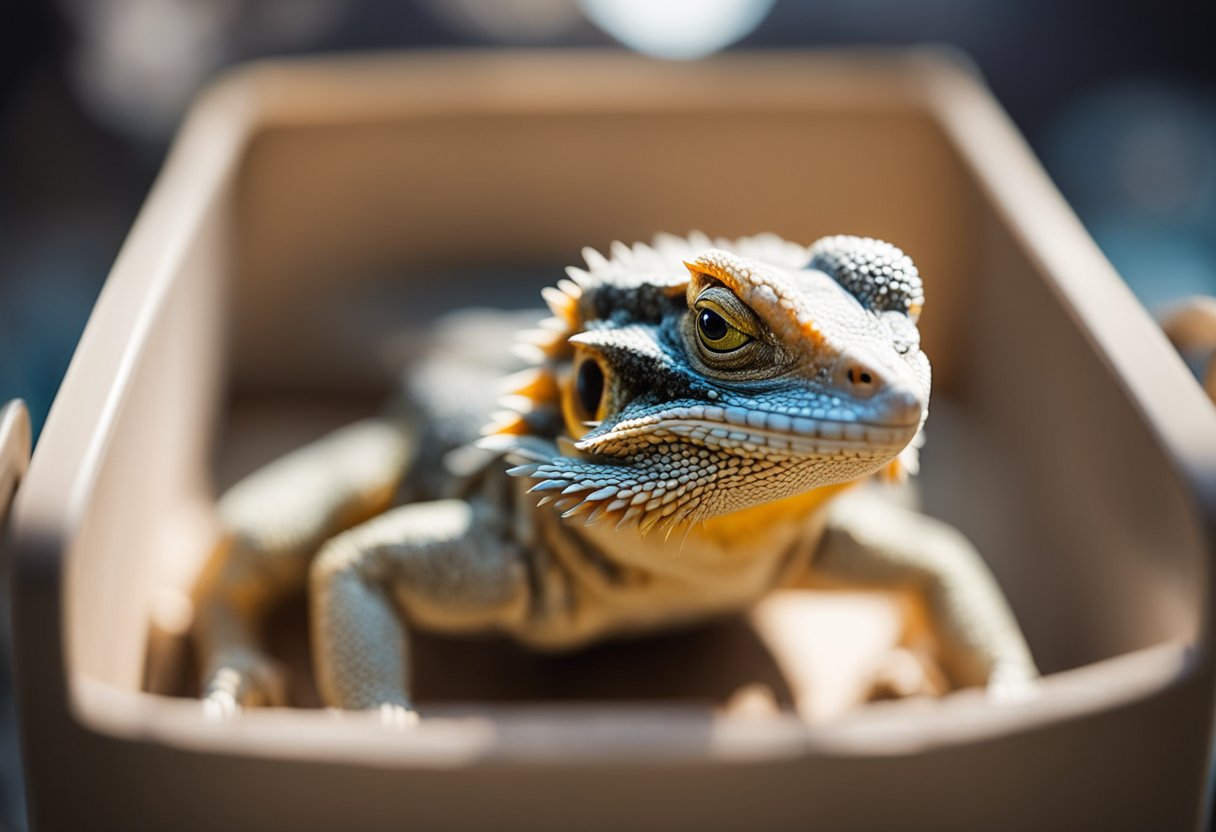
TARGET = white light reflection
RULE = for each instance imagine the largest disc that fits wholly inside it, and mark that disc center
(677, 29)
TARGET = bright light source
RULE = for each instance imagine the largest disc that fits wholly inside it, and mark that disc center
(677, 29)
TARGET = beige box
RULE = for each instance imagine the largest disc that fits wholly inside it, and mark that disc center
(313, 212)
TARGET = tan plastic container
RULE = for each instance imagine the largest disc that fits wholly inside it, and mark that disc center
(310, 209)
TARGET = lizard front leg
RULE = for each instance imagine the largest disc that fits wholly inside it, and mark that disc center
(275, 520)
(443, 564)
(870, 542)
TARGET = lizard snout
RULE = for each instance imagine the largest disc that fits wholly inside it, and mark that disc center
(889, 397)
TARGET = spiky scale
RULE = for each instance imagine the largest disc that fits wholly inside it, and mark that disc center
(600, 510)
(535, 383)
(557, 300)
(543, 338)
(576, 510)
(648, 522)
(594, 260)
(513, 403)
(566, 503)
(571, 289)
(528, 353)
(631, 514)
(506, 423)
(549, 485)
(580, 277)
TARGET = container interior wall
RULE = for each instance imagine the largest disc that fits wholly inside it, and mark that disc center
(1089, 526)
(331, 211)
(149, 503)
(353, 232)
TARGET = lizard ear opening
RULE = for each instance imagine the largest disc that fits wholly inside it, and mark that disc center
(589, 388)
(877, 273)
(585, 393)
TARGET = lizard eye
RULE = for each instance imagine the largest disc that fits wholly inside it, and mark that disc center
(717, 334)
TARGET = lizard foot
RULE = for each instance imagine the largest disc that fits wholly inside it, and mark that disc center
(241, 681)
(905, 672)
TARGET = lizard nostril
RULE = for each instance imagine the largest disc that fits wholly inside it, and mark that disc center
(861, 379)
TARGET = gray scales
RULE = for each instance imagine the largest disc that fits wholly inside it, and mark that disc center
(683, 438)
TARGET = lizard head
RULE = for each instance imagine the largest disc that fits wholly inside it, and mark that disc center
(693, 379)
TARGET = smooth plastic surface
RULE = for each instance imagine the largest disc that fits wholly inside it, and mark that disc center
(14, 451)
(311, 211)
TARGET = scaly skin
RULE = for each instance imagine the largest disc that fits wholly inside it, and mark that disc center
(691, 423)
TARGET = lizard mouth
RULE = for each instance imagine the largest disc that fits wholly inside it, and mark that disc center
(681, 454)
(754, 431)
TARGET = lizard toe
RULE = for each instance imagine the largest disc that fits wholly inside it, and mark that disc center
(398, 717)
(243, 681)
(220, 706)
(903, 673)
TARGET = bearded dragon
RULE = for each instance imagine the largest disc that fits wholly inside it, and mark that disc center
(692, 413)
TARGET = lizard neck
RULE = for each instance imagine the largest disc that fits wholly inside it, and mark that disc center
(744, 525)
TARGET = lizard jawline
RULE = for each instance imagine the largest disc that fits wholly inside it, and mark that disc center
(852, 439)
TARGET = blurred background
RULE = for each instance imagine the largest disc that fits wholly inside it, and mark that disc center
(1117, 98)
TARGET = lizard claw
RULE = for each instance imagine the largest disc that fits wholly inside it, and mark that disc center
(241, 681)
(392, 715)
(398, 717)
(220, 706)
(906, 673)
